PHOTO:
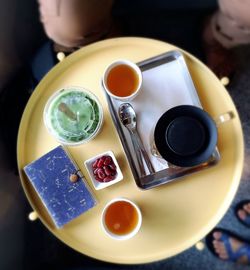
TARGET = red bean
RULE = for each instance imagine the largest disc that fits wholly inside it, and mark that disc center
(107, 170)
(101, 174)
(98, 179)
(104, 169)
(112, 167)
(100, 163)
(107, 179)
(108, 160)
(94, 164)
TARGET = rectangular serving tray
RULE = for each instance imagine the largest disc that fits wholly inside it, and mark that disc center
(166, 83)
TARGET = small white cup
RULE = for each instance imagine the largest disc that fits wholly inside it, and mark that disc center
(130, 234)
(134, 68)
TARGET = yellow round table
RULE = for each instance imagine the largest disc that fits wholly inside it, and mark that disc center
(176, 215)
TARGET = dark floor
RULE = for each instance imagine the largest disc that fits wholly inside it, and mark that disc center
(26, 245)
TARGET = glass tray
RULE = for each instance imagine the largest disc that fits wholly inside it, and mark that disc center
(166, 83)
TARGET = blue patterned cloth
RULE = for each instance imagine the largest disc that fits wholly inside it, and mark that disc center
(50, 176)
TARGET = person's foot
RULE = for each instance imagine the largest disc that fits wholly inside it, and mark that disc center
(243, 212)
(227, 246)
(218, 58)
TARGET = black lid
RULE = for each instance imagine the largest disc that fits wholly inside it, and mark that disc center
(185, 136)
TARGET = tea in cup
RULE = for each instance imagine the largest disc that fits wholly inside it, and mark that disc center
(121, 219)
(122, 80)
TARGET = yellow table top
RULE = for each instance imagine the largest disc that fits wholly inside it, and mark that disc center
(176, 215)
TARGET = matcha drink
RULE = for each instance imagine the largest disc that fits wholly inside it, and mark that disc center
(73, 115)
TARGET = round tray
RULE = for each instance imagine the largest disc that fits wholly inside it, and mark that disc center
(175, 216)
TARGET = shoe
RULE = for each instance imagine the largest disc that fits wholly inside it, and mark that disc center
(225, 249)
(242, 212)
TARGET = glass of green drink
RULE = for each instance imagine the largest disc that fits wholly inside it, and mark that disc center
(73, 115)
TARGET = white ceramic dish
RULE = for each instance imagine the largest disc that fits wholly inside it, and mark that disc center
(100, 185)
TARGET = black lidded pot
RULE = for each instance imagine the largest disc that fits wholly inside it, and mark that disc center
(185, 136)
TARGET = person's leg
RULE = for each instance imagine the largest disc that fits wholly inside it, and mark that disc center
(229, 247)
(227, 28)
(218, 58)
(73, 24)
(231, 24)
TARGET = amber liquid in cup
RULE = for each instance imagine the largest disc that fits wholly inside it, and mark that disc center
(122, 80)
(121, 218)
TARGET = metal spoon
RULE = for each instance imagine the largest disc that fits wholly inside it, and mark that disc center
(128, 118)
